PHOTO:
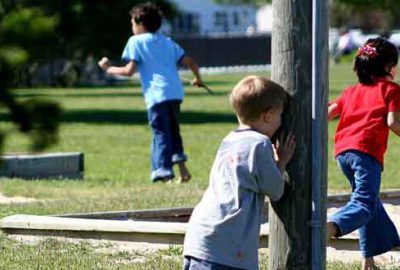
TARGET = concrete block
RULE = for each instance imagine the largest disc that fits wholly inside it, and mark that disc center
(43, 166)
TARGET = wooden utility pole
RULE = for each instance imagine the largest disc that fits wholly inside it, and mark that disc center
(300, 65)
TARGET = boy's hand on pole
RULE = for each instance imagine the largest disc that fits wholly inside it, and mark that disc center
(104, 63)
(284, 150)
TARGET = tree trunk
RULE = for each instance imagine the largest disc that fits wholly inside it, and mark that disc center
(290, 219)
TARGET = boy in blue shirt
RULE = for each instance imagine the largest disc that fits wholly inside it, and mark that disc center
(224, 229)
(156, 57)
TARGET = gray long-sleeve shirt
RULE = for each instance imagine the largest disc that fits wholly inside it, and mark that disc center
(224, 227)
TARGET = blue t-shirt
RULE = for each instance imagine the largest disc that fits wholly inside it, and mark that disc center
(156, 57)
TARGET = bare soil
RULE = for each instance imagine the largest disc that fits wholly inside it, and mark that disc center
(17, 199)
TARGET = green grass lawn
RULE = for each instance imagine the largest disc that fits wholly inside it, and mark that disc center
(109, 126)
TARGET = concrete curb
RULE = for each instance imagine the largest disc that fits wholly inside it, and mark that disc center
(43, 166)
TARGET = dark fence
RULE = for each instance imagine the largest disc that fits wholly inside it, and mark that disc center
(227, 50)
(208, 51)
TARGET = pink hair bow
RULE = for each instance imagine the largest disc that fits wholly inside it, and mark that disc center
(367, 51)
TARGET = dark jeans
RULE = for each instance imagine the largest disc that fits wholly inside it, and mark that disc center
(365, 211)
(166, 147)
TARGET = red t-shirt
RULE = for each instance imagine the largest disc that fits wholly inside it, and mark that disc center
(363, 111)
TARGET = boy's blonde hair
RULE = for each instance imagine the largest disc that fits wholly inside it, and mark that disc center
(254, 95)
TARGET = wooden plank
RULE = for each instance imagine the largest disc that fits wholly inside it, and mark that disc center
(124, 231)
(182, 214)
(32, 222)
(137, 237)
(43, 166)
(113, 230)
(120, 228)
(169, 214)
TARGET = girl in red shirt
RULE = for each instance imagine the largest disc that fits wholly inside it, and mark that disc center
(367, 111)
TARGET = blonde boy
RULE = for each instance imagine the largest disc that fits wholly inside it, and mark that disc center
(223, 231)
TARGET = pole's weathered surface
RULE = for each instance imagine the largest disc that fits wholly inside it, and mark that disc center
(291, 218)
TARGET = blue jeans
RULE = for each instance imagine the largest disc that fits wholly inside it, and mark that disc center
(365, 211)
(166, 146)
(191, 263)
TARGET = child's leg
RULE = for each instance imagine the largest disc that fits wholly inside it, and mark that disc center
(161, 149)
(178, 156)
(184, 172)
(365, 211)
(368, 264)
(379, 235)
(363, 173)
(331, 230)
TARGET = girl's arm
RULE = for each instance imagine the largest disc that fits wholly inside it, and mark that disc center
(393, 122)
(191, 64)
(127, 70)
(333, 111)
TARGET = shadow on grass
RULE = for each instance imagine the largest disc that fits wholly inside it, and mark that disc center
(95, 94)
(129, 117)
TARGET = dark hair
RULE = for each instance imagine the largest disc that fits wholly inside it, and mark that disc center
(148, 15)
(375, 59)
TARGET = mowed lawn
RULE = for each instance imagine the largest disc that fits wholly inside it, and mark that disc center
(109, 125)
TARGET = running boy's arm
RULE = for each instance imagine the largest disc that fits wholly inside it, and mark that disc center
(393, 122)
(127, 70)
(191, 64)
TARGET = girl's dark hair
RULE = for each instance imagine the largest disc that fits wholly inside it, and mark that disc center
(375, 59)
(148, 15)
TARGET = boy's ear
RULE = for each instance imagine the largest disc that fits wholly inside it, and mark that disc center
(267, 115)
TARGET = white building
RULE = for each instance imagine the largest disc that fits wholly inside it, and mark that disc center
(206, 16)
(264, 19)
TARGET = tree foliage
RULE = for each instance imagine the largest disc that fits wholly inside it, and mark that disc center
(33, 31)
(22, 32)
(85, 28)
(92, 27)
(370, 15)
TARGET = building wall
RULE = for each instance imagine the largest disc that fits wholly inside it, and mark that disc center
(264, 19)
(210, 17)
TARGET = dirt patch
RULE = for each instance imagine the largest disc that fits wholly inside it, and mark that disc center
(17, 199)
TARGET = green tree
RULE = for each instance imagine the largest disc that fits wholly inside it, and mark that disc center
(93, 27)
(86, 28)
(23, 32)
(380, 15)
(33, 31)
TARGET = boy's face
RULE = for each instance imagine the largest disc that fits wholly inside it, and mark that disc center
(275, 119)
